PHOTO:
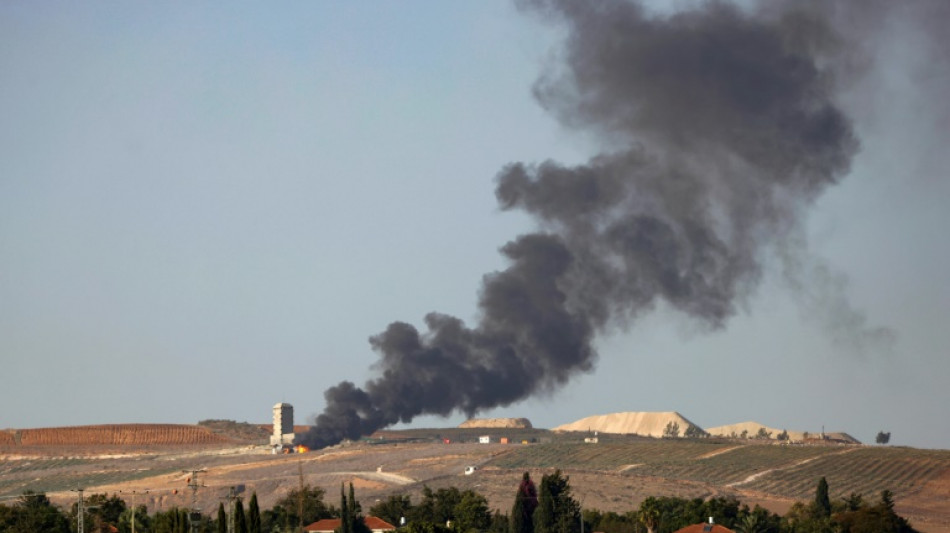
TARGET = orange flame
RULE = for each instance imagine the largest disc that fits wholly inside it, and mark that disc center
(302, 449)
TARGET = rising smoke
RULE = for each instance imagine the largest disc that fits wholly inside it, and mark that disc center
(720, 126)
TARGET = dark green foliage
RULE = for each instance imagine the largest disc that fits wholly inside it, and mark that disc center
(222, 522)
(392, 509)
(143, 522)
(351, 514)
(471, 513)
(284, 513)
(758, 520)
(253, 515)
(522, 512)
(240, 520)
(101, 509)
(882, 437)
(557, 511)
(879, 518)
(610, 522)
(437, 507)
(783, 436)
(425, 527)
(32, 512)
(668, 513)
(499, 523)
(174, 520)
(822, 501)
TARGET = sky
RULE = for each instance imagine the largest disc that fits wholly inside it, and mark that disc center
(207, 209)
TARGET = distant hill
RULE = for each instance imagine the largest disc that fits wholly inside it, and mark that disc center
(752, 429)
(647, 424)
(113, 434)
(519, 423)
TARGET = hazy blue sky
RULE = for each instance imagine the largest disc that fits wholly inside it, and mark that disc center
(208, 208)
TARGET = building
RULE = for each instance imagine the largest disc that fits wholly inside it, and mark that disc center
(329, 525)
(484, 439)
(283, 433)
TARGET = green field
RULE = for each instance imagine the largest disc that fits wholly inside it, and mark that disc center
(785, 471)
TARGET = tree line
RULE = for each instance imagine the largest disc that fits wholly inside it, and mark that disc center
(549, 507)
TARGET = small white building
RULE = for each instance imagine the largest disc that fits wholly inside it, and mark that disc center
(484, 439)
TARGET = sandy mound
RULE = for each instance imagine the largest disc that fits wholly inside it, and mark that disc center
(638, 423)
(519, 423)
(752, 429)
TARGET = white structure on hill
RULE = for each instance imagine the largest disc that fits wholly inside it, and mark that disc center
(283, 425)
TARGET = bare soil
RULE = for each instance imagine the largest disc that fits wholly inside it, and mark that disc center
(158, 476)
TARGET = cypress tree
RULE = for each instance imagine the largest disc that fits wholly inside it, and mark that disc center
(522, 512)
(240, 521)
(345, 525)
(822, 501)
(253, 516)
(222, 519)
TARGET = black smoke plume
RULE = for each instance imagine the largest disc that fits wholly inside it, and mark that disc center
(719, 127)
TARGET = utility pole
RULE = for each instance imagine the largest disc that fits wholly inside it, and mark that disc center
(232, 497)
(300, 496)
(79, 512)
(133, 509)
(195, 515)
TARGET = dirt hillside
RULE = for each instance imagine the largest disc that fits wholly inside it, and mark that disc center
(520, 423)
(629, 423)
(752, 429)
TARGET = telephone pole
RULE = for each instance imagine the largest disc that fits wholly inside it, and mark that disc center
(79, 512)
(195, 515)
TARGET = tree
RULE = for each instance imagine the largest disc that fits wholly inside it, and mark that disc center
(557, 511)
(693, 432)
(101, 508)
(882, 437)
(522, 512)
(672, 429)
(392, 509)
(822, 501)
(649, 514)
(763, 434)
(33, 512)
(879, 518)
(472, 513)
(240, 521)
(284, 514)
(222, 522)
(345, 525)
(253, 515)
(783, 436)
(350, 514)
(751, 523)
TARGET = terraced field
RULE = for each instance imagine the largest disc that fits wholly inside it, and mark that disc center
(116, 434)
(613, 475)
(903, 471)
(781, 471)
(609, 455)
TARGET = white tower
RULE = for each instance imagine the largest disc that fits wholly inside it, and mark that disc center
(283, 425)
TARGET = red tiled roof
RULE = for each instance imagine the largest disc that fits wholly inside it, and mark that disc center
(332, 524)
(705, 528)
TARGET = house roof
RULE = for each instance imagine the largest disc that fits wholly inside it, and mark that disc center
(332, 524)
(705, 528)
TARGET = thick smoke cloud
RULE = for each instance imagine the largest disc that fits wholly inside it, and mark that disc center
(719, 126)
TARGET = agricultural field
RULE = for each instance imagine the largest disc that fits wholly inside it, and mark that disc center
(615, 474)
(113, 434)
